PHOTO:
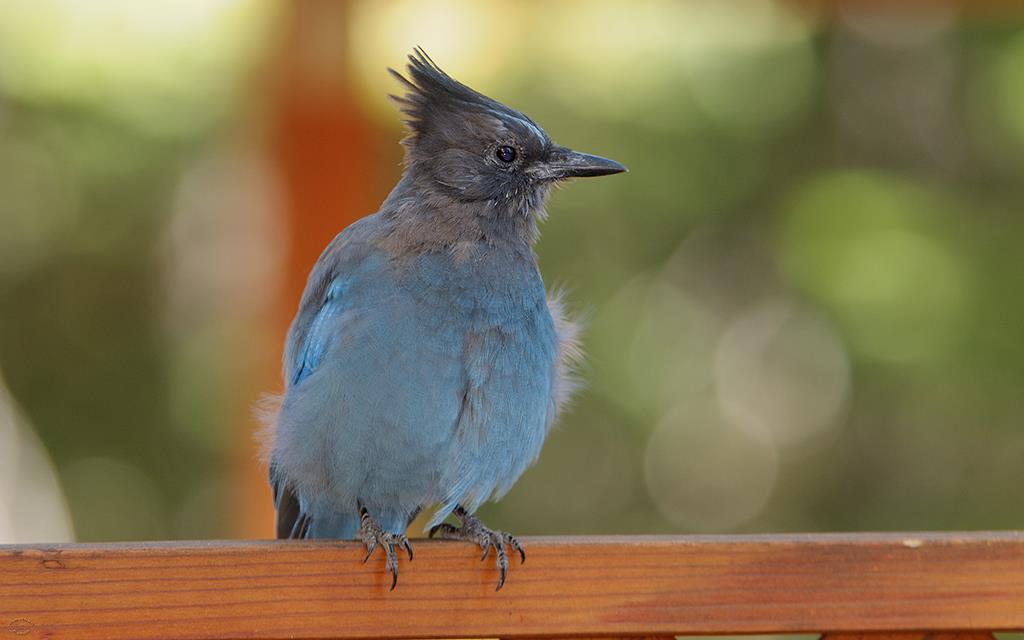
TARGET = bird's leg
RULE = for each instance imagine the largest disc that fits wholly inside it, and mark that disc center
(373, 536)
(475, 531)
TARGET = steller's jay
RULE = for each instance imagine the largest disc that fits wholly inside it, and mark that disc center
(426, 363)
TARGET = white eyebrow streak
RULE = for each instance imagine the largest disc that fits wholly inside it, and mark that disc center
(503, 116)
(534, 128)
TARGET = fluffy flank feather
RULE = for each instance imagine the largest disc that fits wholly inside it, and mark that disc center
(570, 355)
(267, 410)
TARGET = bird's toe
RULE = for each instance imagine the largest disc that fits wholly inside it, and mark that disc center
(500, 556)
(403, 541)
(513, 542)
(373, 536)
(474, 530)
(445, 531)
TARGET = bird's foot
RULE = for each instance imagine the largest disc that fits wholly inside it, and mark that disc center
(475, 531)
(373, 536)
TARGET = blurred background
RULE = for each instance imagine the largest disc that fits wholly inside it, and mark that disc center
(805, 299)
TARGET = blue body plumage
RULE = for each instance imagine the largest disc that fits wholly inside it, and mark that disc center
(426, 363)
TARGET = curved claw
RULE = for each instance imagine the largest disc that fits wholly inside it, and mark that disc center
(393, 561)
(404, 541)
(502, 560)
(515, 544)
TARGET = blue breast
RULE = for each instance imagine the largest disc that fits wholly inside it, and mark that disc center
(508, 347)
(422, 380)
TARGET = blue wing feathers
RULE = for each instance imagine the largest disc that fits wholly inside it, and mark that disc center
(321, 332)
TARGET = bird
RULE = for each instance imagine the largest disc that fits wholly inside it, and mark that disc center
(427, 362)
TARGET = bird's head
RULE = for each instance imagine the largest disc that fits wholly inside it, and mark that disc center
(475, 149)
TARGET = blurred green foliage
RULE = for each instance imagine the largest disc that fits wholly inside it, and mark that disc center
(804, 300)
(103, 107)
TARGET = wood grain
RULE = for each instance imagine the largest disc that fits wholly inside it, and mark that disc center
(951, 635)
(635, 586)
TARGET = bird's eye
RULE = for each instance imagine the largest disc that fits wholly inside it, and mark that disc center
(505, 153)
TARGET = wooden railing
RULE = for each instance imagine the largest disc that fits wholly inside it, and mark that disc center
(904, 585)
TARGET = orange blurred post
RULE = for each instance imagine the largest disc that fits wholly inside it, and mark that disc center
(329, 155)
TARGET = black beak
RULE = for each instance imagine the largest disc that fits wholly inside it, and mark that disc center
(564, 163)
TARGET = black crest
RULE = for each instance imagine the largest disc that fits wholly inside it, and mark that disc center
(432, 96)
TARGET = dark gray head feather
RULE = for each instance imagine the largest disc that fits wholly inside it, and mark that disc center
(455, 133)
(433, 97)
(471, 157)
